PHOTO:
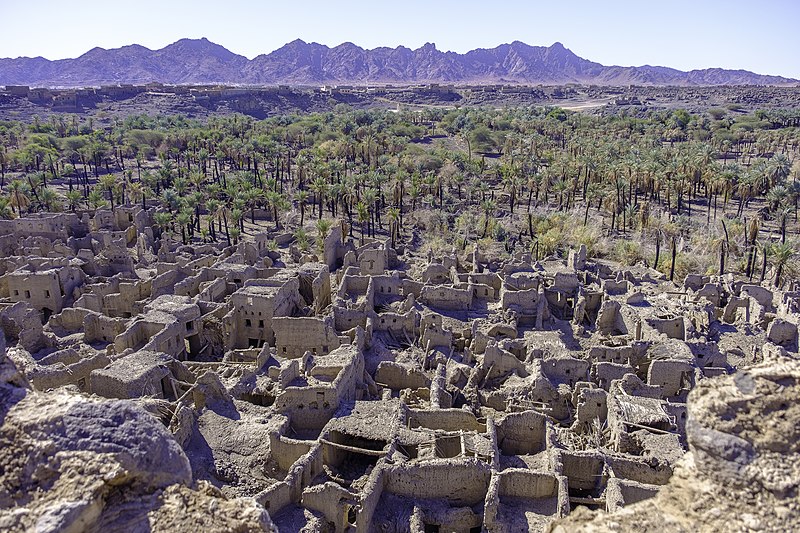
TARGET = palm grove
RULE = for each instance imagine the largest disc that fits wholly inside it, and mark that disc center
(713, 192)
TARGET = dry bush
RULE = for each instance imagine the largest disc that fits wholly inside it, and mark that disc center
(627, 252)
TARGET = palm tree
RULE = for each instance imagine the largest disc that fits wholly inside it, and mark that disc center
(170, 199)
(781, 253)
(239, 204)
(212, 206)
(4, 159)
(370, 199)
(323, 227)
(301, 237)
(74, 198)
(466, 222)
(149, 186)
(234, 234)
(458, 179)
(612, 204)
(49, 199)
(274, 200)
(778, 196)
(184, 218)
(320, 188)
(779, 168)
(489, 207)
(511, 182)
(192, 203)
(394, 221)
(18, 190)
(221, 214)
(363, 217)
(95, 199)
(592, 192)
(348, 197)
(302, 197)
(198, 179)
(162, 220)
(136, 191)
(35, 183)
(559, 187)
(414, 191)
(6, 211)
(107, 182)
(398, 191)
(629, 216)
(164, 174)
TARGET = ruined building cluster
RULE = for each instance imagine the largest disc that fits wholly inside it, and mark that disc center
(363, 388)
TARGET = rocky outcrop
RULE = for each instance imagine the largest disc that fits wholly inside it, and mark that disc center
(74, 464)
(743, 469)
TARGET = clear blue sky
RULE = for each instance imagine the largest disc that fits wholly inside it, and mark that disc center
(757, 35)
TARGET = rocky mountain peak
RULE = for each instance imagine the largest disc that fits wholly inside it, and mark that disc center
(298, 62)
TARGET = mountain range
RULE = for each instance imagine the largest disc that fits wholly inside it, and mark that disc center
(199, 61)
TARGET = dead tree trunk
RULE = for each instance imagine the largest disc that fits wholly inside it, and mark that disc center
(672, 266)
(658, 251)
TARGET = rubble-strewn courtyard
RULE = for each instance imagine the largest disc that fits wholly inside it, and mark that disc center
(150, 385)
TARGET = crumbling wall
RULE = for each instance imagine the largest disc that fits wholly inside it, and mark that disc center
(388, 286)
(444, 297)
(99, 328)
(481, 291)
(59, 374)
(254, 308)
(332, 249)
(671, 375)
(604, 373)
(783, 333)
(69, 320)
(115, 385)
(42, 290)
(346, 319)
(296, 336)
(290, 490)
(630, 355)
(436, 274)
(311, 406)
(462, 481)
(316, 277)
(286, 451)
(568, 370)
(528, 485)
(524, 301)
(522, 433)
(591, 405)
(445, 420)
(673, 328)
(432, 332)
(332, 501)
(622, 492)
(498, 362)
(761, 294)
(372, 491)
(22, 324)
(372, 261)
(129, 300)
(406, 322)
(398, 376)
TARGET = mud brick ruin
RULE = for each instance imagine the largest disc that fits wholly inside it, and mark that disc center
(365, 388)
